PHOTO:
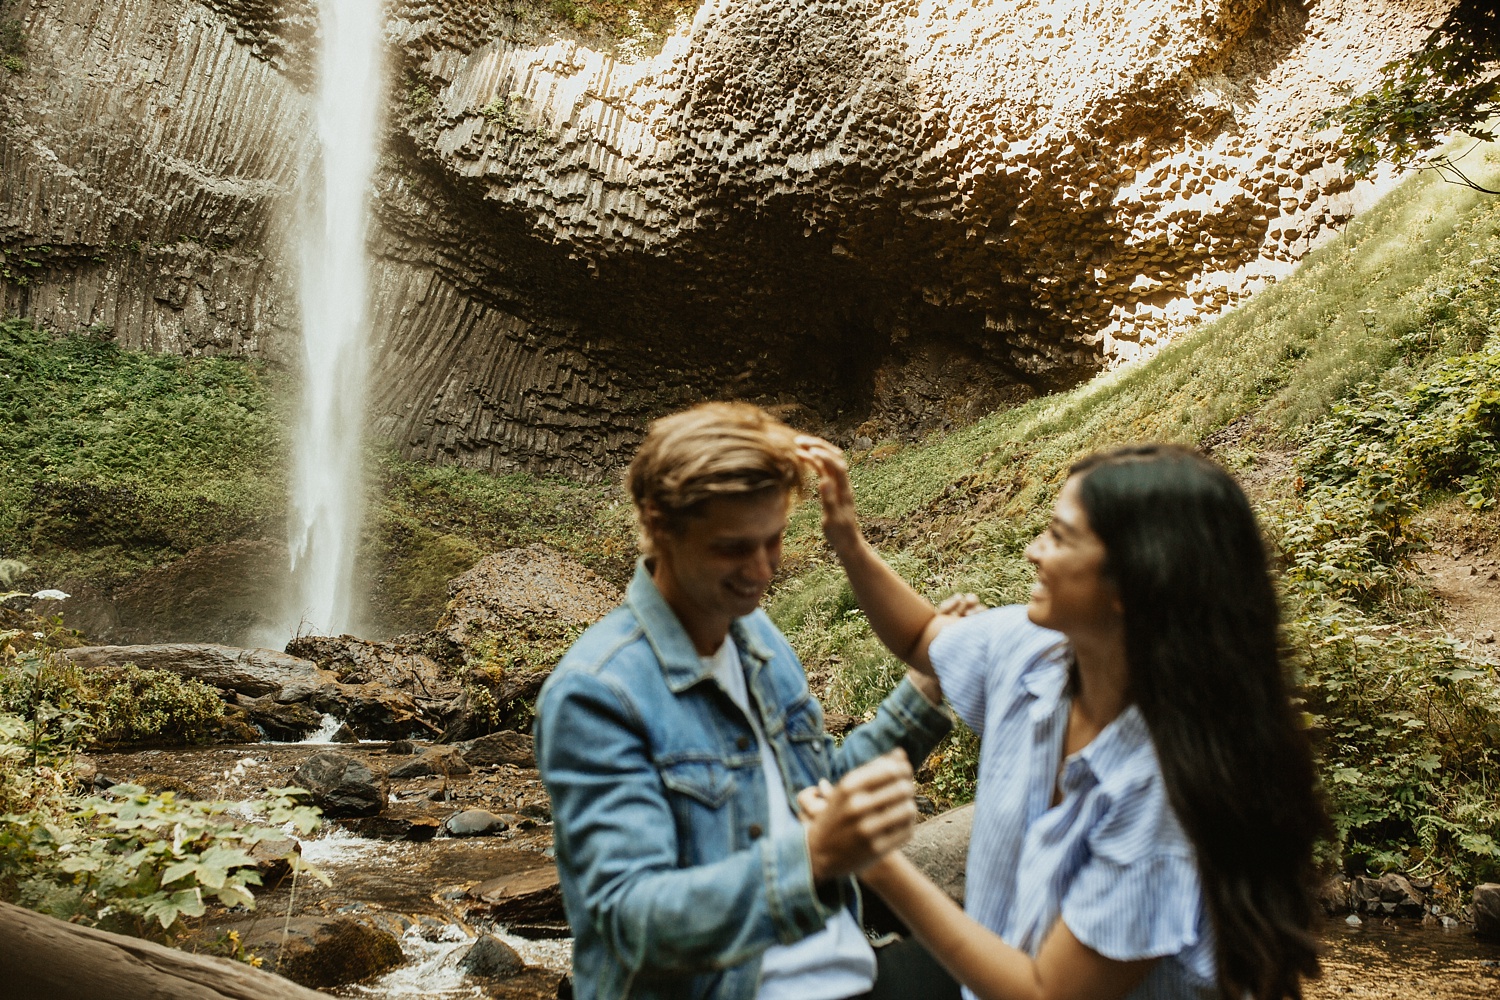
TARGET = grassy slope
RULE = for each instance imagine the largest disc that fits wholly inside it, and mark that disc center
(1372, 311)
(112, 461)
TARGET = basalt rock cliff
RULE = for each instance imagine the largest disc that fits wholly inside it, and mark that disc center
(882, 216)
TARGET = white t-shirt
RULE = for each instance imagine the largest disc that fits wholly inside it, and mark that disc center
(836, 962)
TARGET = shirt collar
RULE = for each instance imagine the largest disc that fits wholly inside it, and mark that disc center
(1118, 745)
(1117, 750)
(674, 650)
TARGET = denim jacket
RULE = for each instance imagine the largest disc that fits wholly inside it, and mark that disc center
(671, 885)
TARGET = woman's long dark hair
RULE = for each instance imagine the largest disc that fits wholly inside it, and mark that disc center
(1185, 553)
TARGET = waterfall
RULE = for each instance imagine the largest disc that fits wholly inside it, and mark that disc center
(327, 483)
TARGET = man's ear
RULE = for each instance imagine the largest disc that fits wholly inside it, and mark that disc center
(653, 526)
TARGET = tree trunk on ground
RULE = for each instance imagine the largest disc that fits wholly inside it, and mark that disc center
(44, 957)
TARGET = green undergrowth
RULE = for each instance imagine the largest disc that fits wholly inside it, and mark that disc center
(115, 461)
(430, 523)
(1358, 392)
(112, 461)
(644, 22)
(66, 705)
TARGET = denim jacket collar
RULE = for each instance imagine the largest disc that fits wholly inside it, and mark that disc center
(674, 650)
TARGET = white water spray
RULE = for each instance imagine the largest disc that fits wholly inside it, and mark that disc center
(327, 483)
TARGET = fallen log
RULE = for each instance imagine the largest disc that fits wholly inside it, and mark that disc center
(44, 957)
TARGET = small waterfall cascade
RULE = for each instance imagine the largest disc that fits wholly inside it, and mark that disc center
(327, 481)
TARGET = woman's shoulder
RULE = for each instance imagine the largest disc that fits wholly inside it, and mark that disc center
(1004, 633)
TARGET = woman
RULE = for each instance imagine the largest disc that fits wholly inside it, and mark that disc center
(1146, 810)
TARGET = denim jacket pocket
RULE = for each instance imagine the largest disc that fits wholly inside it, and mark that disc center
(710, 782)
(809, 743)
(701, 793)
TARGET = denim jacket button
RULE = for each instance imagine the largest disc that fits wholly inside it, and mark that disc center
(743, 743)
(755, 831)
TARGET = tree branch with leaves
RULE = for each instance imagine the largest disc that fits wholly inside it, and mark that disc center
(1450, 84)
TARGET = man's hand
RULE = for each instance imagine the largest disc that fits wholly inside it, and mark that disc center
(866, 815)
(961, 606)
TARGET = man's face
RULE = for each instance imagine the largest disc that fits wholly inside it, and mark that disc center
(720, 564)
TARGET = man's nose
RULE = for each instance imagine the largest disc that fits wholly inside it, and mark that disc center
(763, 565)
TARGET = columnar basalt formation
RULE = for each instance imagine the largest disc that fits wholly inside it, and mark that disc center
(880, 216)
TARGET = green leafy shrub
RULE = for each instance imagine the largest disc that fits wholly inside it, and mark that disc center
(136, 706)
(66, 707)
(1409, 734)
(504, 668)
(139, 863)
(128, 860)
(47, 696)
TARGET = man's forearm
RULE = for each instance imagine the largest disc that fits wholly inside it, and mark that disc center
(716, 915)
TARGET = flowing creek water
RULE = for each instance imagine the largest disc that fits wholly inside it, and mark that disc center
(423, 888)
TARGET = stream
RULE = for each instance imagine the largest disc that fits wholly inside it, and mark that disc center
(423, 890)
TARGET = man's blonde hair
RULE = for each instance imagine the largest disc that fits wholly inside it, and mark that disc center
(710, 450)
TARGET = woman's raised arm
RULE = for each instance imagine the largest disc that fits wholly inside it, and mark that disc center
(903, 619)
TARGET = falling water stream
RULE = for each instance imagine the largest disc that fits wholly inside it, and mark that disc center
(326, 484)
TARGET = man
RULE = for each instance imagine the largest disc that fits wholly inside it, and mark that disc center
(676, 732)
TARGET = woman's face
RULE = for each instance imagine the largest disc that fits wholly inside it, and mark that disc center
(1071, 594)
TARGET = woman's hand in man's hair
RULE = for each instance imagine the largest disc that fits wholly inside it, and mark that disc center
(840, 525)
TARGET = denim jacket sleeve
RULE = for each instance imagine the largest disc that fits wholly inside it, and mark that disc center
(615, 831)
(905, 719)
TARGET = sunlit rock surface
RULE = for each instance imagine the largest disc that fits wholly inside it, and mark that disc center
(881, 217)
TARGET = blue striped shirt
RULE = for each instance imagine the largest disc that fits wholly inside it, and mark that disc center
(1110, 859)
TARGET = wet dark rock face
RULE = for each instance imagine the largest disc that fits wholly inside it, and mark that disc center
(340, 785)
(325, 951)
(876, 218)
(1486, 907)
(491, 958)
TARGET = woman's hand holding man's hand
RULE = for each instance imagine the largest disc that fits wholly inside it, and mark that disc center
(868, 814)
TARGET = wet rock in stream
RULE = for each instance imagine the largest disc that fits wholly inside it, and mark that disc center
(324, 951)
(340, 785)
(374, 711)
(439, 761)
(1391, 895)
(500, 748)
(1486, 909)
(491, 958)
(286, 722)
(273, 859)
(478, 822)
(527, 897)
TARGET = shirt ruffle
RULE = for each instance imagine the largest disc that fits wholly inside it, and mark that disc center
(1150, 908)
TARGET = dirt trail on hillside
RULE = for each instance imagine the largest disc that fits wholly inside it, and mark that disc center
(1462, 570)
